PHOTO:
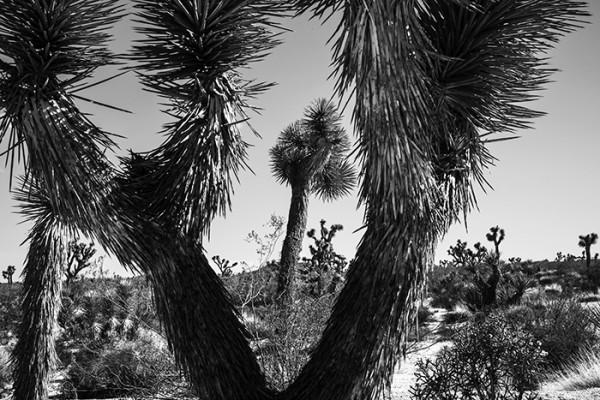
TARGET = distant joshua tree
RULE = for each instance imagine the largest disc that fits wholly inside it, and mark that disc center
(223, 265)
(310, 156)
(496, 235)
(324, 264)
(586, 241)
(476, 261)
(8, 274)
(78, 259)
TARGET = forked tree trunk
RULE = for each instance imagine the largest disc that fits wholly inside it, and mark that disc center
(292, 244)
(361, 344)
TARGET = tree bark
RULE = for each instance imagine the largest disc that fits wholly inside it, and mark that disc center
(292, 244)
(34, 354)
(588, 259)
(361, 344)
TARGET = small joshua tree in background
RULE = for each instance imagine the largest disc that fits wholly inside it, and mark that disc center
(496, 235)
(223, 265)
(586, 241)
(311, 157)
(323, 271)
(79, 258)
(484, 292)
(10, 270)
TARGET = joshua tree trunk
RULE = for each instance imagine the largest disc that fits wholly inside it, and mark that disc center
(359, 348)
(490, 288)
(192, 328)
(34, 354)
(588, 260)
(203, 329)
(292, 244)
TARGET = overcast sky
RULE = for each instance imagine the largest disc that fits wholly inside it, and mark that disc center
(546, 189)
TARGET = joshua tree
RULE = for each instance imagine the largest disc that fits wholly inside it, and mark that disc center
(78, 259)
(496, 235)
(432, 81)
(310, 156)
(223, 265)
(10, 270)
(479, 262)
(324, 264)
(586, 241)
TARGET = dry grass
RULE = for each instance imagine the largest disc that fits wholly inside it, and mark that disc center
(583, 373)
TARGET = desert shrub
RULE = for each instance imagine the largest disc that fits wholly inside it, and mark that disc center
(5, 368)
(547, 280)
(424, 315)
(553, 290)
(105, 310)
(293, 334)
(514, 287)
(457, 317)
(254, 288)
(445, 284)
(10, 306)
(451, 285)
(140, 367)
(582, 373)
(593, 312)
(563, 326)
(588, 298)
(589, 286)
(527, 268)
(490, 360)
(108, 341)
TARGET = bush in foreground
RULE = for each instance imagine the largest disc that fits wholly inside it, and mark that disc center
(128, 368)
(491, 360)
(5, 369)
(564, 327)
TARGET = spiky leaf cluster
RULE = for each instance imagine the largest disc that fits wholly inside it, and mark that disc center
(191, 54)
(314, 151)
(46, 47)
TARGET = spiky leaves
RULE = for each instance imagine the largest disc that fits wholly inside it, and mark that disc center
(314, 151)
(192, 52)
(487, 64)
(420, 147)
(49, 45)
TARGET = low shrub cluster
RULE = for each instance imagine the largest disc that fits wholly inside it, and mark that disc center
(284, 347)
(490, 359)
(126, 368)
(5, 370)
(110, 341)
(564, 327)
(10, 307)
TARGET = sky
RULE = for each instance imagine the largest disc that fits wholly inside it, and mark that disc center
(545, 183)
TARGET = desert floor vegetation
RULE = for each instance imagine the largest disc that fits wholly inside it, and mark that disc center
(111, 343)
